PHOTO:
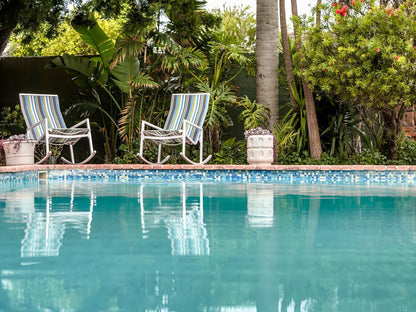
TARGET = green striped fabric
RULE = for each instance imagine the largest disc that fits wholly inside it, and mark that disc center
(190, 106)
(38, 107)
(165, 136)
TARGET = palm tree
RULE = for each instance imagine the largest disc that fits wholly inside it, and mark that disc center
(312, 120)
(267, 56)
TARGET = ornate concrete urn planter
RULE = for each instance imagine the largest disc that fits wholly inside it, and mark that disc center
(19, 150)
(260, 147)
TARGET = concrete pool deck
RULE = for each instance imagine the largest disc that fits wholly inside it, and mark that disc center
(11, 169)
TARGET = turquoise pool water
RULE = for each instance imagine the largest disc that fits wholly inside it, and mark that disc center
(207, 247)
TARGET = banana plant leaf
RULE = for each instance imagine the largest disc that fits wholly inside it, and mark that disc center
(83, 70)
(124, 72)
(93, 35)
(126, 75)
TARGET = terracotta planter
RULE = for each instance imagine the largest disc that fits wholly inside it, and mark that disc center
(19, 152)
(260, 149)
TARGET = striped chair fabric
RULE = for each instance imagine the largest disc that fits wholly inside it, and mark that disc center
(191, 107)
(36, 108)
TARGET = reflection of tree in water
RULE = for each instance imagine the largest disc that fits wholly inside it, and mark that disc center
(347, 265)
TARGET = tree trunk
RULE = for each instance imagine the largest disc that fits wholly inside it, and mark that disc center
(286, 52)
(4, 38)
(313, 128)
(392, 119)
(318, 13)
(267, 57)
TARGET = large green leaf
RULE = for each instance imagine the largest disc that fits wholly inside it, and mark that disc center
(83, 70)
(126, 75)
(124, 72)
(92, 34)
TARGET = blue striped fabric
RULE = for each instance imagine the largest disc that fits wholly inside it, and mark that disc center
(192, 107)
(37, 107)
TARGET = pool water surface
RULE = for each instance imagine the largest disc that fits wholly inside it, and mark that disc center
(184, 246)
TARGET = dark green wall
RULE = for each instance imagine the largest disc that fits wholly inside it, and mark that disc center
(28, 75)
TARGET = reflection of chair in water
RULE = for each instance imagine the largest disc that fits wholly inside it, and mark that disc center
(45, 230)
(260, 205)
(186, 228)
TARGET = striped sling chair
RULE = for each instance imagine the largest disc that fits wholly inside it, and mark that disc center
(45, 124)
(183, 126)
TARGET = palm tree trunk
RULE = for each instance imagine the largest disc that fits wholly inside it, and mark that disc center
(286, 52)
(312, 120)
(267, 57)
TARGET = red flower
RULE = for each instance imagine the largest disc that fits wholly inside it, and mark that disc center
(397, 57)
(353, 2)
(334, 4)
(377, 50)
(361, 0)
(390, 12)
(342, 11)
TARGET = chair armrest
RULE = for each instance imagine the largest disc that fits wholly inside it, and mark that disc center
(81, 123)
(145, 123)
(36, 124)
(187, 122)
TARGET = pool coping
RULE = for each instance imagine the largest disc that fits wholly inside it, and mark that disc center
(12, 169)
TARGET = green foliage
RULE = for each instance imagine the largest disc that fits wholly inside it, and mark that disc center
(220, 99)
(25, 17)
(66, 40)
(302, 138)
(232, 152)
(343, 130)
(11, 119)
(366, 58)
(406, 152)
(254, 115)
(406, 156)
(238, 26)
(115, 71)
(285, 133)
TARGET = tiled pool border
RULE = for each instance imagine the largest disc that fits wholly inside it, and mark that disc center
(323, 174)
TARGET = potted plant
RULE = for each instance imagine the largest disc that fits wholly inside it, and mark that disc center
(18, 150)
(260, 146)
(260, 142)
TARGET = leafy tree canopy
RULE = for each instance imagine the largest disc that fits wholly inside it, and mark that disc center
(238, 26)
(365, 54)
(66, 40)
(28, 15)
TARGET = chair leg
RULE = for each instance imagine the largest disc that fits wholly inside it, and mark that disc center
(152, 163)
(48, 152)
(71, 150)
(201, 161)
(159, 153)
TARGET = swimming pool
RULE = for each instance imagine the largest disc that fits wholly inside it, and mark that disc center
(204, 246)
